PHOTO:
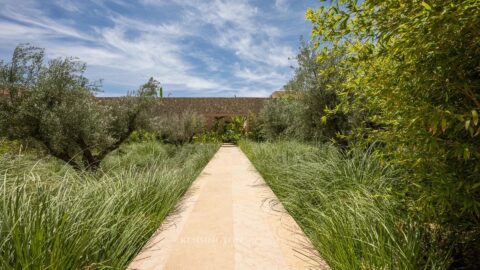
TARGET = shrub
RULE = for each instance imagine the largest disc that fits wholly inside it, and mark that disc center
(179, 128)
(207, 137)
(234, 130)
(228, 129)
(253, 128)
(142, 136)
(280, 119)
(413, 68)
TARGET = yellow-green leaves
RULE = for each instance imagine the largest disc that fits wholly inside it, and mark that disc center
(426, 6)
(310, 14)
(324, 119)
(475, 117)
(409, 82)
(444, 124)
(472, 123)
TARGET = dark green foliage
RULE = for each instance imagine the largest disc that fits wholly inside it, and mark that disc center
(55, 106)
(179, 128)
(254, 128)
(312, 84)
(280, 119)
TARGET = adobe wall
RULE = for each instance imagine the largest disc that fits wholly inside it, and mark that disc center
(211, 106)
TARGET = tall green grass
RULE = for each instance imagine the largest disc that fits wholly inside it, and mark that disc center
(346, 204)
(52, 217)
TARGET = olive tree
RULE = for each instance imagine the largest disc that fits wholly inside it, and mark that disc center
(313, 86)
(280, 119)
(54, 105)
(151, 88)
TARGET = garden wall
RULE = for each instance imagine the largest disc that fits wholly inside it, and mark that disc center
(211, 108)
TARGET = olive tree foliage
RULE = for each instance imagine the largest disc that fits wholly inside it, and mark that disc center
(22, 72)
(313, 85)
(179, 128)
(54, 105)
(280, 119)
(151, 88)
(305, 113)
(307, 70)
(413, 68)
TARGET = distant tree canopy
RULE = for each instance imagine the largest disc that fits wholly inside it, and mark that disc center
(54, 105)
(152, 88)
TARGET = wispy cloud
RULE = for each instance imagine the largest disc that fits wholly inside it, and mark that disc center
(68, 5)
(216, 47)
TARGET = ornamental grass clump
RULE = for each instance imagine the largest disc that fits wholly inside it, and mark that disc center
(347, 205)
(53, 217)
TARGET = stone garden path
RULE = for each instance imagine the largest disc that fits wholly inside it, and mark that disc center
(229, 219)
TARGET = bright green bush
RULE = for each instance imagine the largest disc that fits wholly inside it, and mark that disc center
(345, 203)
(207, 137)
(52, 217)
(234, 130)
(225, 129)
(413, 69)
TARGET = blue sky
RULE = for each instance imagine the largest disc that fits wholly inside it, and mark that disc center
(194, 48)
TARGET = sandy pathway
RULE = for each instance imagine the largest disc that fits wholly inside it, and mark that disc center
(229, 219)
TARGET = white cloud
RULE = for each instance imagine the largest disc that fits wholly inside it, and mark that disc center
(27, 15)
(131, 49)
(212, 63)
(92, 56)
(266, 77)
(17, 32)
(251, 92)
(68, 5)
(239, 29)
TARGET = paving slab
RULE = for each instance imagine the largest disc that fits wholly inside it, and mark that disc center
(229, 219)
